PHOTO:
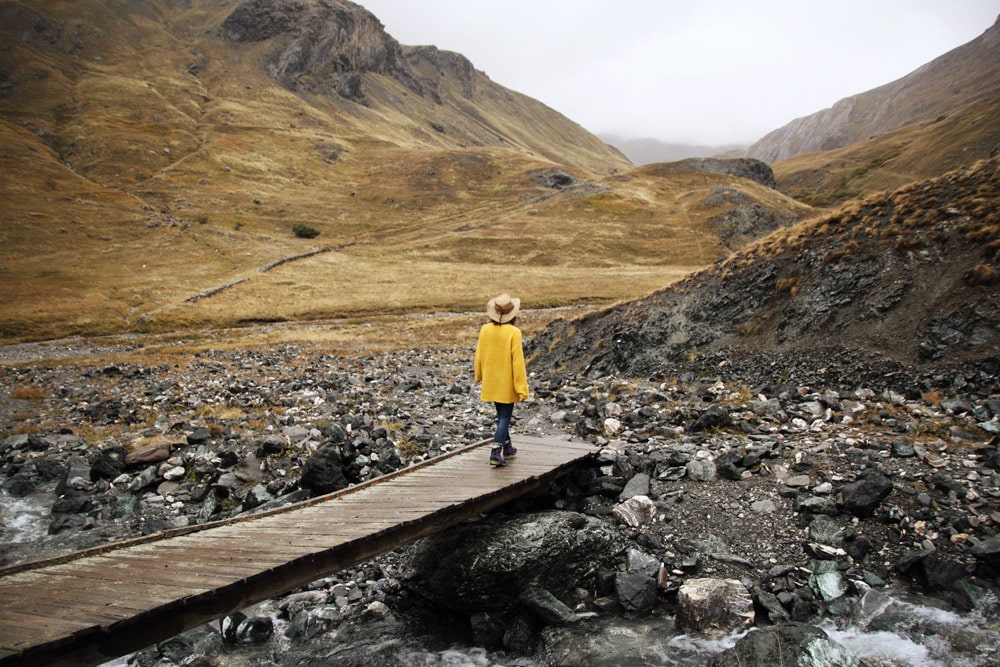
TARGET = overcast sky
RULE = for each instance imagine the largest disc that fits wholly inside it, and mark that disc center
(690, 71)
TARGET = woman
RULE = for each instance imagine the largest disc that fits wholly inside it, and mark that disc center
(500, 367)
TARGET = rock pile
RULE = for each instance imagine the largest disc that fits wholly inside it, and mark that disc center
(799, 500)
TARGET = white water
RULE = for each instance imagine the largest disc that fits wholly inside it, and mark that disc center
(923, 639)
(923, 636)
(22, 519)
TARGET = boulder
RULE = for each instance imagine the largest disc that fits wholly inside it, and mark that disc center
(988, 550)
(714, 603)
(636, 591)
(862, 498)
(788, 644)
(154, 453)
(485, 567)
(323, 472)
(548, 607)
(701, 470)
(636, 511)
(714, 417)
(108, 463)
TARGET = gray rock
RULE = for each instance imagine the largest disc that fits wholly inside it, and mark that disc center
(826, 580)
(701, 470)
(862, 498)
(724, 604)
(776, 612)
(642, 563)
(988, 549)
(548, 607)
(323, 472)
(144, 479)
(827, 531)
(107, 463)
(484, 567)
(789, 645)
(636, 592)
(816, 505)
(714, 417)
(763, 506)
(638, 485)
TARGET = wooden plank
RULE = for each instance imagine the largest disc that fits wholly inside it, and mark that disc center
(30, 628)
(123, 571)
(145, 595)
(90, 613)
(242, 563)
(171, 583)
(67, 606)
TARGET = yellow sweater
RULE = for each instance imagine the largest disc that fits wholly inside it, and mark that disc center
(500, 364)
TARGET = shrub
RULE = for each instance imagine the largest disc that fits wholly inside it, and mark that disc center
(981, 274)
(305, 232)
(27, 393)
(787, 285)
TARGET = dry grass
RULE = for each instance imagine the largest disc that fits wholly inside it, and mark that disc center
(27, 392)
(181, 184)
(887, 162)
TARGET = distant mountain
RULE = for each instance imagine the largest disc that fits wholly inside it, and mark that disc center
(651, 151)
(962, 76)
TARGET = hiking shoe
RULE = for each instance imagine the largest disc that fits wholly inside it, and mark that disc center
(496, 457)
(509, 450)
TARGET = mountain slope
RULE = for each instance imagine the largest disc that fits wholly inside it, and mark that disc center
(908, 279)
(158, 157)
(960, 77)
(888, 161)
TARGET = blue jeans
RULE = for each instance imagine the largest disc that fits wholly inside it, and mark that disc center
(504, 413)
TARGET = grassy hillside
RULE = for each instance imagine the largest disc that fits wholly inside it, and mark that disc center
(153, 173)
(923, 150)
(893, 281)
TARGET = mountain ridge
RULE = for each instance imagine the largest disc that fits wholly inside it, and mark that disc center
(963, 75)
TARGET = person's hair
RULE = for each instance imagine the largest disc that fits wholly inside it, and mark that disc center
(499, 324)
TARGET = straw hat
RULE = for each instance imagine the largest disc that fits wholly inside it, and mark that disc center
(503, 308)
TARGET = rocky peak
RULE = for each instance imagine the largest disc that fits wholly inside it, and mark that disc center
(755, 170)
(323, 46)
(259, 20)
(434, 65)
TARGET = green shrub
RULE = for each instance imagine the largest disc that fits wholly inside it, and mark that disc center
(305, 232)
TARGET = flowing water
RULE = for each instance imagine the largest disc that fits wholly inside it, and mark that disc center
(23, 519)
(890, 632)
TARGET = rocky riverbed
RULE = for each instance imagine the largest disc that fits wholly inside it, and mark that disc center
(817, 498)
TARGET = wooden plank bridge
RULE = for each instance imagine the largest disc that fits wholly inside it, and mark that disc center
(94, 605)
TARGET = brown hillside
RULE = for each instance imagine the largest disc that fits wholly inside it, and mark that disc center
(158, 155)
(908, 279)
(888, 161)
